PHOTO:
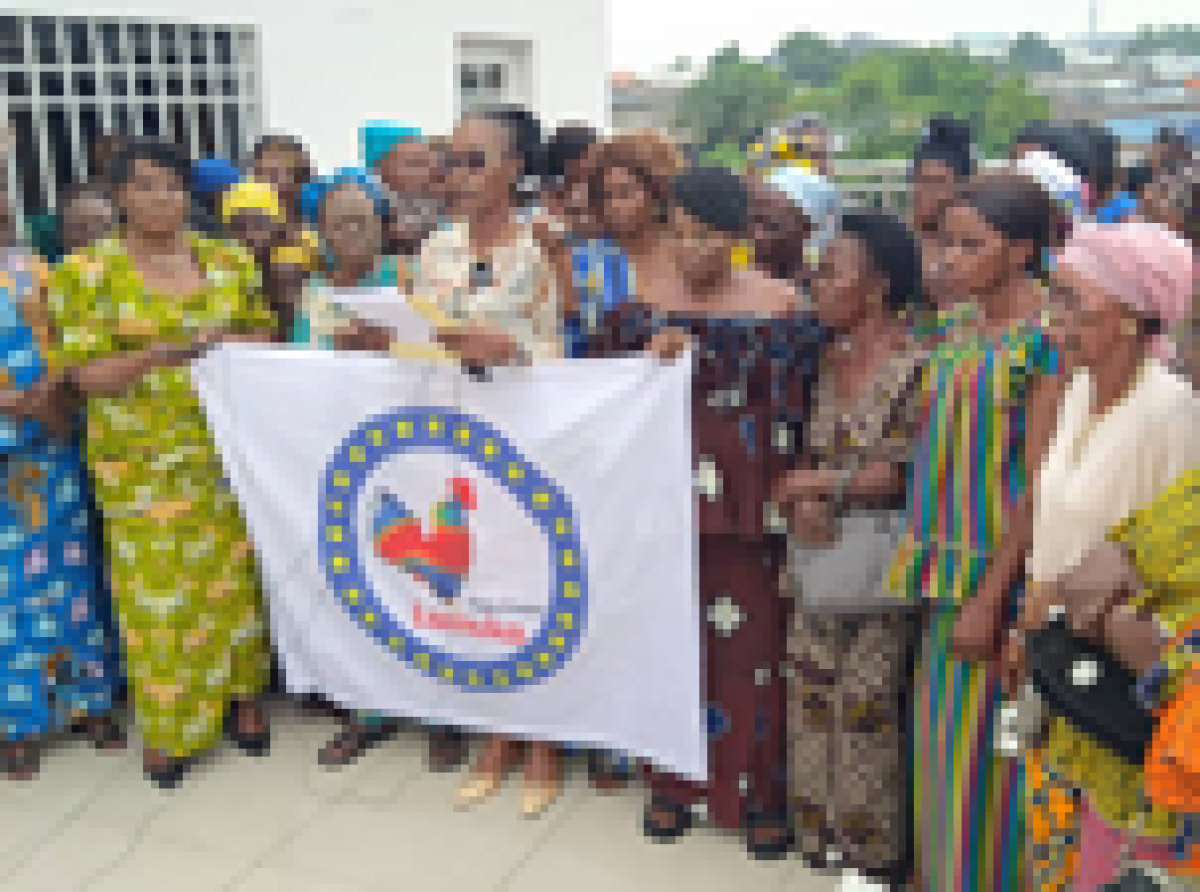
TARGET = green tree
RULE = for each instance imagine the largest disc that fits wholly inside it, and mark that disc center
(810, 59)
(1008, 108)
(1033, 52)
(734, 99)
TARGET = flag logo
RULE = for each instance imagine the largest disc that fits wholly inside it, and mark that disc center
(425, 588)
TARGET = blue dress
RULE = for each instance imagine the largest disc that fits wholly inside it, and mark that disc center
(59, 660)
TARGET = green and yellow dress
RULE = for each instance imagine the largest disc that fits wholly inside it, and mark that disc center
(182, 566)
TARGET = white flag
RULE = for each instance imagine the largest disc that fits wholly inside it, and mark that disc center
(516, 555)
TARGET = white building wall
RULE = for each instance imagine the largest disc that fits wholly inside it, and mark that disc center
(328, 68)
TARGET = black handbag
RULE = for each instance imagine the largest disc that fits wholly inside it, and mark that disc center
(1085, 684)
(1136, 879)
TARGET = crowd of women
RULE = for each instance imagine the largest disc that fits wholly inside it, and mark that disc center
(946, 467)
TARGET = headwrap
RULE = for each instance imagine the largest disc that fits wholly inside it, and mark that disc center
(213, 174)
(715, 196)
(1146, 267)
(377, 138)
(1064, 184)
(788, 144)
(819, 199)
(315, 192)
(251, 195)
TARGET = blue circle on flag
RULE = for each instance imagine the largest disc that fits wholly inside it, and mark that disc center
(344, 546)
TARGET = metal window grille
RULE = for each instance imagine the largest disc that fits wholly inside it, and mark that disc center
(66, 80)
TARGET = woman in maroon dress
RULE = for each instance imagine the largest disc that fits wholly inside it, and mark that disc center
(754, 355)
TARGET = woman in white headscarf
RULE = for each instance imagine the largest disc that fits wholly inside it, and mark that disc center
(792, 214)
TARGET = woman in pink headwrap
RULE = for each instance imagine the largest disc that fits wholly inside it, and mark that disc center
(1128, 435)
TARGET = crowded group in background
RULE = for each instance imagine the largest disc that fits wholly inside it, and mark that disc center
(947, 468)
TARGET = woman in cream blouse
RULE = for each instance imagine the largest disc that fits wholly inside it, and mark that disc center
(1128, 430)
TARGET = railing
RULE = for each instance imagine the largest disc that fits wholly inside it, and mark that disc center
(884, 183)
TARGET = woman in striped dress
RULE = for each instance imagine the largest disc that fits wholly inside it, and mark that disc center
(987, 410)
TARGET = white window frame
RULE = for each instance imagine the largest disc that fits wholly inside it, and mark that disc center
(514, 55)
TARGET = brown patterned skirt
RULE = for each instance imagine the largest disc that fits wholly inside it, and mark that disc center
(848, 717)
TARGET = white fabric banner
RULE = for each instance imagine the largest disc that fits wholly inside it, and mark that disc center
(516, 555)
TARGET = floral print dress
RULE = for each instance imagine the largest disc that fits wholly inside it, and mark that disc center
(58, 657)
(750, 396)
(181, 564)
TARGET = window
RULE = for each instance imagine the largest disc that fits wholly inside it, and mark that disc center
(12, 40)
(115, 84)
(168, 46)
(493, 77)
(110, 41)
(139, 38)
(223, 47)
(468, 79)
(80, 43)
(17, 83)
(493, 71)
(71, 83)
(45, 40)
(199, 44)
(83, 83)
(51, 83)
(481, 85)
(146, 85)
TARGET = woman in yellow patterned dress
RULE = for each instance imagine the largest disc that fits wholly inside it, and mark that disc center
(131, 315)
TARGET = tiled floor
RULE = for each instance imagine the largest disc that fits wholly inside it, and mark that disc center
(283, 824)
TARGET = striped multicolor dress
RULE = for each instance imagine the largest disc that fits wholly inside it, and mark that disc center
(968, 473)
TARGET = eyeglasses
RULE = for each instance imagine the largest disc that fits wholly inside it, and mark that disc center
(474, 160)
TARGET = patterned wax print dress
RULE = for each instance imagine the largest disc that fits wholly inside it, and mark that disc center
(182, 566)
(58, 657)
(749, 399)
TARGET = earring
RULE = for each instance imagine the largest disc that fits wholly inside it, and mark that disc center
(1129, 327)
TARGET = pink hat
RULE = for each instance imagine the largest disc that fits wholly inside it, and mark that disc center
(1146, 267)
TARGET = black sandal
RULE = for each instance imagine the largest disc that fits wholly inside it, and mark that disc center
(22, 759)
(169, 775)
(105, 735)
(659, 831)
(251, 744)
(603, 775)
(780, 842)
(351, 743)
(447, 749)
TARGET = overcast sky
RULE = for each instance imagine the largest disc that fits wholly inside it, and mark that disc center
(646, 33)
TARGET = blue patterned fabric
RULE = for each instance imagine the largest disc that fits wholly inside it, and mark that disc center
(603, 279)
(58, 655)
